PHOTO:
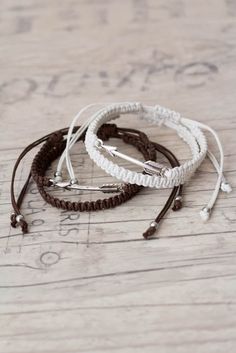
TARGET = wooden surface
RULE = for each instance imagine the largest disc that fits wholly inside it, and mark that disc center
(89, 282)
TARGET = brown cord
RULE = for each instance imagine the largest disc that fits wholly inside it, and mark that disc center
(52, 149)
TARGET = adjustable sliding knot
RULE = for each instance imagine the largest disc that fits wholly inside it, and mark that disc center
(151, 230)
(144, 138)
(149, 146)
(130, 139)
(154, 114)
(55, 138)
(152, 151)
(160, 114)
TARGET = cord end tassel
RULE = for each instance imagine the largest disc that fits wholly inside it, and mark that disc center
(205, 214)
(151, 230)
(226, 187)
(13, 220)
(19, 220)
(178, 204)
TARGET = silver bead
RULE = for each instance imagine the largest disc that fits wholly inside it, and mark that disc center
(19, 217)
(99, 143)
(206, 209)
(205, 213)
(178, 198)
(57, 177)
(154, 224)
(73, 181)
(57, 174)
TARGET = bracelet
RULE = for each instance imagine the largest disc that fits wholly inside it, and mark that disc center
(158, 176)
(161, 178)
(53, 147)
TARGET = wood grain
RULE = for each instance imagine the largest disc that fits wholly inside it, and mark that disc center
(89, 282)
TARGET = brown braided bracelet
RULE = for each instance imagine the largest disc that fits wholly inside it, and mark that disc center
(54, 146)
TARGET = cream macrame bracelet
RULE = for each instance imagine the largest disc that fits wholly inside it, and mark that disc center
(157, 176)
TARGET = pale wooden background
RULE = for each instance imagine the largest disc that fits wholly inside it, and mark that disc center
(89, 282)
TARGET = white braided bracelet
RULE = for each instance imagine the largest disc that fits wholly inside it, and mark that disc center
(171, 177)
(161, 177)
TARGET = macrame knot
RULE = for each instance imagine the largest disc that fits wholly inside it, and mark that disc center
(152, 151)
(55, 138)
(144, 138)
(130, 139)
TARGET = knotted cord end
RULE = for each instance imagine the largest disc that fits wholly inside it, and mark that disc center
(19, 220)
(178, 203)
(205, 214)
(107, 131)
(151, 230)
(13, 220)
(226, 187)
(24, 226)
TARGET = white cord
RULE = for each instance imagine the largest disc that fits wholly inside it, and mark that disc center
(70, 141)
(205, 212)
(225, 186)
(72, 138)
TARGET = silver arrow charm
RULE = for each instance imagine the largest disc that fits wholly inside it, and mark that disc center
(150, 167)
(112, 150)
(106, 188)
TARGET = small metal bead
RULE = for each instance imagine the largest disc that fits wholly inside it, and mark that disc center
(226, 187)
(57, 177)
(74, 181)
(178, 198)
(57, 174)
(19, 217)
(99, 143)
(205, 213)
(206, 209)
(154, 224)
